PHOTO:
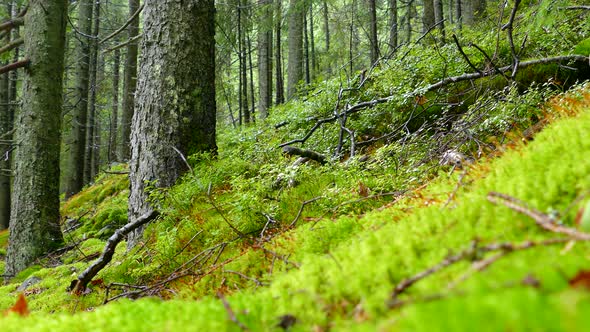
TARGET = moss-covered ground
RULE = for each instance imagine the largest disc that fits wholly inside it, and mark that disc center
(337, 271)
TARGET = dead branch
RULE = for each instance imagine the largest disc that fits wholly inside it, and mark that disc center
(11, 24)
(510, 27)
(123, 44)
(230, 313)
(125, 25)
(109, 250)
(301, 210)
(576, 7)
(442, 83)
(256, 281)
(12, 45)
(14, 66)
(464, 55)
(291, 150)
(544, 221)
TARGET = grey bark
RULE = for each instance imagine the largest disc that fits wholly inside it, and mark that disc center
(393, 28)
(459, 14)
(280, 87)
(175, 103)
(114, 123)
(373, 41)
(326, 25)
(264, 59)
(5, 128)
(439, 18)
(428, 19)
(295, 42)
(90, 168)
(34, 226)
(129, 84)
(75, 178)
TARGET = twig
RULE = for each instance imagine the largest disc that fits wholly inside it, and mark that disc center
(464, 55)
(230, 313)
(183, 159)
(544, 221)
(510, 27)
(109, 250)
(123, 44)
(269, 220)
(116, 32)
(256, 281)
(301, 210)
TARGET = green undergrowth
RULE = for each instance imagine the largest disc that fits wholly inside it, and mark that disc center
(339, 272)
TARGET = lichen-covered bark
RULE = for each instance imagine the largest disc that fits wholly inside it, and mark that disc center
(129, 84)
(175, 100)
(114, 125)
(90, 169)
(75, 177)
(265, 58)
(5, 128)
(34, 224)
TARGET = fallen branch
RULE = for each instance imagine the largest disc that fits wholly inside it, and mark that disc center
(544, 221)
(301, 210)
(230, 313)
(107, 254)
(11, 24)
(291, 150)
(442, 83)
(577, 7)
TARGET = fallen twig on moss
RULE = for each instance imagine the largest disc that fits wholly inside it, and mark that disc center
(230, 312)
(109, 250)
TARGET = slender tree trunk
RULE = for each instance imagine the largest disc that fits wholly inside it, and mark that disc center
(306, 49)
(374, 42)
(130, 78)
(5, 128)
(251, 67)
(280, 89)
(34, 226)
(393, 28)
(459, 15)
(409, 21)
(75, 180)
(113, 130)
(326, 25)
(439, 18)
(264, 59)
(314, 62)
(175, 104)
(89, 156)
(295, 42)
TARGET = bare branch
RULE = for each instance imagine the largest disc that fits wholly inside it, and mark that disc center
(12, 45)
(118, 31)
(14, 66)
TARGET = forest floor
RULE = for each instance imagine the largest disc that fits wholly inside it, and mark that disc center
(492, 245)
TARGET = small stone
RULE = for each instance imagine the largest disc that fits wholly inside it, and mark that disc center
(28, 283)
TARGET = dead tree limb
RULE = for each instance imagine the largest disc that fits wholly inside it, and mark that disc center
(293, 151)
(12, 45)
(11, 24)
(465, 55)
(118, 31)
(14, 66)
(123, 44)
(510, 27)
(109, 250)
(576, 8)
(435, 86)
(230, 313)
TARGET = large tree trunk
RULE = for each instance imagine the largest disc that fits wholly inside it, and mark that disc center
(114, 123)
(129, 84)
(75, 178)
(373, 40)
(175, 103)
(295, 41)
(91, 143)
(264, 59)
(34, 225)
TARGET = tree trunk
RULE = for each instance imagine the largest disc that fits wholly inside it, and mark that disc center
(459, 15)
(75, 179)
(5, 128)
(306, 49)
(252, 98)
(175, 103)
(34, 226)
(129, 84)
(374, 42)
(312, 42)
(409, 21)
(114, 123)
(295, 42)
(264, 59)
(89, 156)
(428, 19)
(280, 88)
(439, 18)
(393, 29)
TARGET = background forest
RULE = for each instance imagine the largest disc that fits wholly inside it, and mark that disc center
(303, 165)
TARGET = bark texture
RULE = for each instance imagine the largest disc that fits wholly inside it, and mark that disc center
(34, 226)
(295, 41)
(129, 83)
(373, 40)
(428, 15)
(114, 125)
(175, 102)
(5, 128)
(90, 168)
(265, 58)
(75, 179)
(393, 28)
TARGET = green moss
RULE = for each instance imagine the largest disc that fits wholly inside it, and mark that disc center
(583, 47)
